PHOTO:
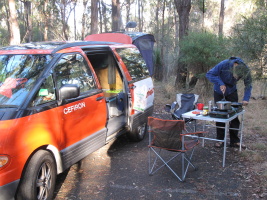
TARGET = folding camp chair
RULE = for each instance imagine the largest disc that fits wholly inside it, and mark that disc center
(186, 102)
(166, 137)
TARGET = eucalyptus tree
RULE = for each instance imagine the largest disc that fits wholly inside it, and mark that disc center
(116, 15)
(104, 19)
(13, 23)
(65, 9)
(84, 17)
(221, 18)
(28, 20)
(94, 16)
(128, 7)
(183, 8)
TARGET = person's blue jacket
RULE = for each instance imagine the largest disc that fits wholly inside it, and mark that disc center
(222, 74)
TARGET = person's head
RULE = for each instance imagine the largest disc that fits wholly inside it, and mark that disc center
(240, 70)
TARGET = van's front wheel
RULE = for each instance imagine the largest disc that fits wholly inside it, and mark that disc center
(38, 181)
(138, 133)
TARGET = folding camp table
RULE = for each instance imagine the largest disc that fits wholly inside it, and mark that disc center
(190, 115)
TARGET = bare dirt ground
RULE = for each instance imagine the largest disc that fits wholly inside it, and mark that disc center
(120, 171)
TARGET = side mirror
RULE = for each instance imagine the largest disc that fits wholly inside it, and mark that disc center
(68, 91)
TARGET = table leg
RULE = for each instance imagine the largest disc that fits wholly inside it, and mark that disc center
(241, 131)
(225, 137)
(195, 125)
(203, 129)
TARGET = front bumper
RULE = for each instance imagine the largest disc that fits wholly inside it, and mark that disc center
(8, 191)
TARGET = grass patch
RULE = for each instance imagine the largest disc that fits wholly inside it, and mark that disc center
(257, 157)
(259, 146)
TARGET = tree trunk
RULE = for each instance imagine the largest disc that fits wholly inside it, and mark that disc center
(176, 21)
(63, 19)
(128, 10)
(116, 15)
(74, 24)
(100, 16)
(13, 23)
(84, 18)
(221, 19)
(66, 7)
(157, 21)
(162, 52)
(203, 15)
(28, 21)
(158, 75)
(140, 15)
(46, 20)
(163, 20)
(105, 18)
(74, 2)
(94, 16)
(183, 8)
(7, 18)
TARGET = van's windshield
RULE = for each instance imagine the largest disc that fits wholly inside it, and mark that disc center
(18, 74)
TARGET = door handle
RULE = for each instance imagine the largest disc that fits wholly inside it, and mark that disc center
(99, 98)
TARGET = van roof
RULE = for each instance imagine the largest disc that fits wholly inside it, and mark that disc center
(53, 46)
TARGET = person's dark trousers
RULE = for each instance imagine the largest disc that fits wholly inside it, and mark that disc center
(233, 124)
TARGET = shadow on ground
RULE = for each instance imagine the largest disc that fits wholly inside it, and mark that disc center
(120, 171)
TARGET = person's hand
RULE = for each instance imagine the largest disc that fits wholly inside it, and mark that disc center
(223, 88)
(245, 103)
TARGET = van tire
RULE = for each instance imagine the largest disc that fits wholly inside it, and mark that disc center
(138, 133)
(40, 169)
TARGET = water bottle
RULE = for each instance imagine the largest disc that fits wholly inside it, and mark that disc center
(210, 106)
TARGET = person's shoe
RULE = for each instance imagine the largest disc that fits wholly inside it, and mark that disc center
(218, 144)
(237, 145)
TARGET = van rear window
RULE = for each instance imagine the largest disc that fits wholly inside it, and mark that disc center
(134, 62)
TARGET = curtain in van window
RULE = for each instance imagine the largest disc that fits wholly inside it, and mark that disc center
(111, 71)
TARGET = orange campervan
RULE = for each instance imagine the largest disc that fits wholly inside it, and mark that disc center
(61, 101)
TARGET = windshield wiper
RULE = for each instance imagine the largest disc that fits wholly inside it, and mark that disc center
(8, 106)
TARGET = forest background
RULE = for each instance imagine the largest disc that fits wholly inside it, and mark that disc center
(191, 37)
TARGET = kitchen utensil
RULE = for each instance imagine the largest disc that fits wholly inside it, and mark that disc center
(200, 106)
(236, 104)
(223, 105)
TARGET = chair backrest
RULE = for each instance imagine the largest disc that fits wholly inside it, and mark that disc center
(166, 133)
(186, 103)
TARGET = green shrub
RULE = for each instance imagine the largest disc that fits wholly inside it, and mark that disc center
(201, 51)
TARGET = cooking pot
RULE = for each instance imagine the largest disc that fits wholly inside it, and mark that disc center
(224, 105)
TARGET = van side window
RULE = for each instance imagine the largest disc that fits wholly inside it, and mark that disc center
(72, 69)
(46, 92)
(134, 62)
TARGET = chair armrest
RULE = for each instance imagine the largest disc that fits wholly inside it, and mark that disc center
(167, 108)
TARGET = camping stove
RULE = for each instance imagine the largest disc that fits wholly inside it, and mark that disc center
(225, 114)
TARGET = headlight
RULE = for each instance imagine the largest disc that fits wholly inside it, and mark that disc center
(3, 160)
